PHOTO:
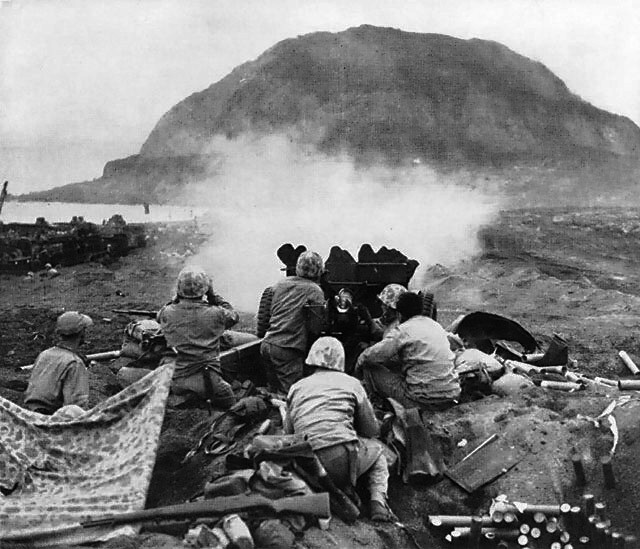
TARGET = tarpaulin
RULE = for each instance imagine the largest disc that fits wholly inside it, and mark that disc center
(55, 473)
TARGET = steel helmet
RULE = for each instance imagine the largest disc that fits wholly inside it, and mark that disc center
(327, 352)
(389, 296)
(193, 282)
(72, 323)
(309, 265)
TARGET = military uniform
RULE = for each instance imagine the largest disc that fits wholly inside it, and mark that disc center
(412, 364)
(195, 329)
(287, 338)
(60, 376)
(332, 410)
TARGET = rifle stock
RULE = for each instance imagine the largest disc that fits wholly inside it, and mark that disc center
(313, 504)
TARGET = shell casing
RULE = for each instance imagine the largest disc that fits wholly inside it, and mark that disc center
(588, 503)
(578, 469)
(629, 363)
(551, 526)
(617, 540)
(600, 510)
(455, 520)
(475, 533)
(539, 518)
(607, 472)
(628, 384)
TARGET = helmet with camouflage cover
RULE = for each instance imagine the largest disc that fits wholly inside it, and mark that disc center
(309, 265)
(193, 282)
(390, 294)
(72, 323)
(326, 352)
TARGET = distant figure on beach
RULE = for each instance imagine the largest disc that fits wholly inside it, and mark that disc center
(146, 208)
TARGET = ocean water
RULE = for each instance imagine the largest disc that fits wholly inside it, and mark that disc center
(27, 212)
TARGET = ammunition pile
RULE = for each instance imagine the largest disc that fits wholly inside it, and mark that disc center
(525, 526)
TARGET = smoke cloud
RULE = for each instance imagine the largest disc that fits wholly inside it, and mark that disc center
(268, 191)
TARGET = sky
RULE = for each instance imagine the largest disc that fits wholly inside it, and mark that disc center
(84, 81)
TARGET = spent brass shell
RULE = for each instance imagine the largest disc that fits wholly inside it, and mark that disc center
(552, 526)
(539, 518)
(600, 510)
(607, 472)
(617, 540)
(588, 502)
(578, 469)
(523, 540)
(535, 533)
(509, 517)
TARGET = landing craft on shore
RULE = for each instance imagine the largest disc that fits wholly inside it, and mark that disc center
(29, 247)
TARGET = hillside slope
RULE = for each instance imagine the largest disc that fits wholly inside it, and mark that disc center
(381, 94)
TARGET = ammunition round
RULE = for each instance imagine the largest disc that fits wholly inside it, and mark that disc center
(497, 517)
(539, 518)
(552, 526)
(535, 533)
(578, 469)
(509, 517)
(600, 509)
(617, 540)
(588, 502)
(523, 540)
(525, 528)
(607, 472)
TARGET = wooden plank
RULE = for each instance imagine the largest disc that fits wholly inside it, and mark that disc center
(484, 466)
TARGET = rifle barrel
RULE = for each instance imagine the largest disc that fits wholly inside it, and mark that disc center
(140, 312)
(312, 504)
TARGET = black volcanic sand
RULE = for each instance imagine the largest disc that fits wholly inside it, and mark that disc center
(569, 272)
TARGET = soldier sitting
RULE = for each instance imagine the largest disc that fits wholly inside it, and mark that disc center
(195, 324)
(60, 376)
(413, 364)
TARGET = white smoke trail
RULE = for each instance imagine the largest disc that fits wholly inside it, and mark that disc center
(268, 191)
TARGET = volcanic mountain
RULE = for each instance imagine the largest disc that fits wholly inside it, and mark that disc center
(378, 95)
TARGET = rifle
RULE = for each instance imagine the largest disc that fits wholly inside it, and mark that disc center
(107, 355)
(313, 504)
(140, 312)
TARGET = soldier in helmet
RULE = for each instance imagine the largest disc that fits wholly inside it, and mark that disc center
(194, 324)
(288, 337)
(413, 364)
(390, 319)
(331, 409)
(59, 376)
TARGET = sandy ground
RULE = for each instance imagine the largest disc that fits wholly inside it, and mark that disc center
(569, 272)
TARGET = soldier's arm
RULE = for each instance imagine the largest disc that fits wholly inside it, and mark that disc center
(75, 385)
(365, 421)
(384, 353)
